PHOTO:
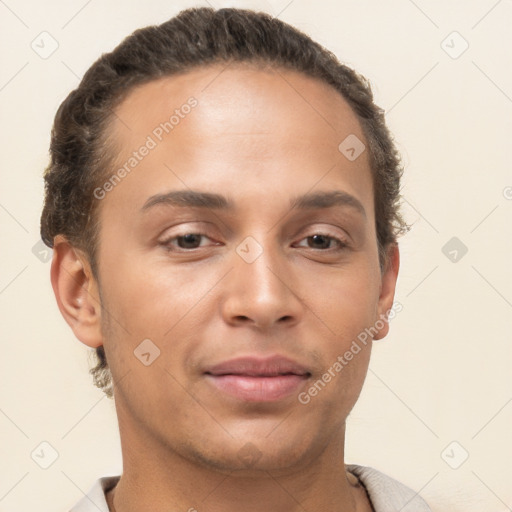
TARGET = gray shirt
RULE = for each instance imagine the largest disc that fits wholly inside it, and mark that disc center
(386, 494)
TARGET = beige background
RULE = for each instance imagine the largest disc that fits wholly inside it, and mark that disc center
(444, 372)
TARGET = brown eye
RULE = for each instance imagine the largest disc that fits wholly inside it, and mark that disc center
(319, 241)
(189, 241)
(323, 242)
(184, 242)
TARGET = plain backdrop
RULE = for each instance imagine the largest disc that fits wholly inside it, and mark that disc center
(436, 409)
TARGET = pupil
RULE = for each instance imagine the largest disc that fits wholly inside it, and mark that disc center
(188, 239)
(315, 238)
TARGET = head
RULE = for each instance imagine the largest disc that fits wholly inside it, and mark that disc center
(241, 105)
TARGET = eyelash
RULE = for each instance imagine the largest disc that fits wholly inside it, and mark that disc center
(341, 243)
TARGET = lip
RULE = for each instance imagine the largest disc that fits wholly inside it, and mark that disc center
(256, 379)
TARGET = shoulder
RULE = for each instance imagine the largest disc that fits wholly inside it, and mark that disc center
(386, 493)
(95, 499)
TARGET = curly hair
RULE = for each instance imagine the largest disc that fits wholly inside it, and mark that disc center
(80, 155)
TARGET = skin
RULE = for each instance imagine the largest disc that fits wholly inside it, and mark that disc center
(259, 137)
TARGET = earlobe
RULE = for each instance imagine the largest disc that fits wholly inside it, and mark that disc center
(76, 292)
(388, 287)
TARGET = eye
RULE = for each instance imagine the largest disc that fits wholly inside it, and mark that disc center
(191, 241)
(184, 241)
(324, 242)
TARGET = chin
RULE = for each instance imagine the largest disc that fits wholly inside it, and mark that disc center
(247, 456)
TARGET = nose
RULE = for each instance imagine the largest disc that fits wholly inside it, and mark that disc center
(261, 293)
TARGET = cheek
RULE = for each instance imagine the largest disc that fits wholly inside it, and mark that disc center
(168, 306)
(344, 300)
(345, 307)
(150, 297)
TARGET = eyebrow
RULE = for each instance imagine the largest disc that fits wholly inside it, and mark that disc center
(198, 199)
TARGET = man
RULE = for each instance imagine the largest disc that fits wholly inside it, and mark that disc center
(222, 201)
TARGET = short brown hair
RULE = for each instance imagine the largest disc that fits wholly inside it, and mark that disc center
(80, 156)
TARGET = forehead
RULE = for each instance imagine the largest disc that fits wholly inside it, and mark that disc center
(247, 126)
(237, 99)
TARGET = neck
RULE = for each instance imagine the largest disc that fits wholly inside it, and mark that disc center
(157, 482)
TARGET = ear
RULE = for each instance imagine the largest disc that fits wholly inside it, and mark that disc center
(388, 286)
(77, 292)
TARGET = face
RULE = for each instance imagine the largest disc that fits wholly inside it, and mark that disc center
(241, 246)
